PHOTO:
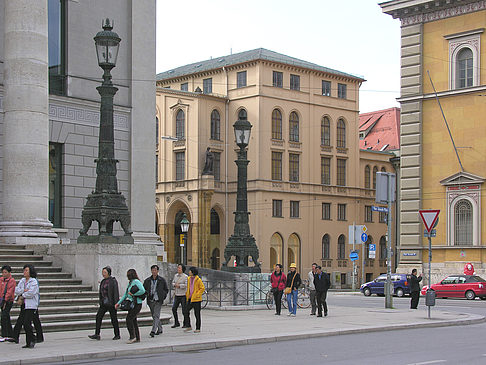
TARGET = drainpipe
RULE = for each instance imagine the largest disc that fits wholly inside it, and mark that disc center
(226, 123)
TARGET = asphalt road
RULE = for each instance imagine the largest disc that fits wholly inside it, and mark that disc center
(443, 345)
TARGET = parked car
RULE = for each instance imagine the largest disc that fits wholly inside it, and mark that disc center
(377, 286)
(459, 286)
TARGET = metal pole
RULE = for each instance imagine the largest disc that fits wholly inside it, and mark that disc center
(388, 291)
(184, 250)
(354, 262)
(430, 262)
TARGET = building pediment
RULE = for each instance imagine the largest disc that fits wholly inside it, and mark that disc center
(462, 178)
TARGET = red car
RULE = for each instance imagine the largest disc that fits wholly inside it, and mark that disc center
(459, 286)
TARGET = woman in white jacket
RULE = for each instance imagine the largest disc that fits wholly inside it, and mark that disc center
(28, 289)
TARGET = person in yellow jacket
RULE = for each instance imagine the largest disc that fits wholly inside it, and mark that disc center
(194, 292)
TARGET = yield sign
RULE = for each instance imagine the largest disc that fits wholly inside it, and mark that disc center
(429, 217)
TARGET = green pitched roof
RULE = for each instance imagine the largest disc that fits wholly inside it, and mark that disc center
(256, 54)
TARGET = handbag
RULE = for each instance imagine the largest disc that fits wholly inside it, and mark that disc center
(127, 304)
(288, 290)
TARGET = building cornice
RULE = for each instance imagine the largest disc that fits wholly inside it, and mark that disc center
(189, 93)
(469, 90)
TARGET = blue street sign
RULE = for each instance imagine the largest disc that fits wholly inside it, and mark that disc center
(364, 237)
(379, 209)
(372, 247)
(353, 256)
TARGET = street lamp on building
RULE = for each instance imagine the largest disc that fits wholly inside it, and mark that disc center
(184, 229)
(106, 204)
(242, 244)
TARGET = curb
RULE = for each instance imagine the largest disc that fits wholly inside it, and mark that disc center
(210, 345)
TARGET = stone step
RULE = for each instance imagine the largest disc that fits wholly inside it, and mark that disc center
(68, 295)
(39, 269)
(67, 302)
(56, 282)
(15, 251)
(21, 263)
(47, 275)
(58, 310)
(20, 258)
(11, 246)
(44, 289)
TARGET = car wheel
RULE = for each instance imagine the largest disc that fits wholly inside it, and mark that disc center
(366, 292)
(470, 295)
(399, 292)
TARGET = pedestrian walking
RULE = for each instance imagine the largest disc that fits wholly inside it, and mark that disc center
(322, 285)
(7, 295)
(312, 289)
(108, 297)
(179, 283)
(27, 292)
(278, 281)
(414, 289)
(291, 289)
(134, 293)
(194, 292)
(39, 333)
(156, 287)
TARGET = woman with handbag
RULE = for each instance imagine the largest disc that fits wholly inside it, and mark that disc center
(109, 296)
(132, 301)
(291, 289)
(194, 292)
(7, 292)
(278, 281)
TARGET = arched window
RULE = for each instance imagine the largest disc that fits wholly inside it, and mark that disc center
(383, 169)
(375, 170)
(382, 248)
(341, 134)
(180, 124)
(215, 125)
(326, 247)
(367, 177)
(214, 222)
(464, 68)
(294, 127)
(276, 124)
(463, 223)
(341, 247)
(156, 132)
(325, 131)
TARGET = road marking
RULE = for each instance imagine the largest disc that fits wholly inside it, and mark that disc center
(428, 362)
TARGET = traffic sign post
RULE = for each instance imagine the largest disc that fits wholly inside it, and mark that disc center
(430, 218)
(355, 237)
(372, 251)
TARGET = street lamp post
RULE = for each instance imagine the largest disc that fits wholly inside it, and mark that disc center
(184, 229)
(242, 244)
(106, 204)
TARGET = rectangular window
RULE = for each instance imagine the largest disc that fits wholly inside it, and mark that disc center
(217, 165)
(276, 165)
(208, 86)
(277, 79)
(55, 184)
(326, 88)
(276, 208)
(56, 47)
(294, 209)
(295, 82)
(185, 86)
(293, 167)
(368, 214)
(326, 211)
(382, 217)
(341, 172)
(341, 212)
(326, 170)
(342, 91)
(180, 165)
(241, 79)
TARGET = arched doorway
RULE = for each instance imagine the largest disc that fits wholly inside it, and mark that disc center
(293, 250)
(276, 245)
(214, 239)
(215, 259)
(177, 238)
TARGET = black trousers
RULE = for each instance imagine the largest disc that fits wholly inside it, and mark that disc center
(26, 317)
(415, 299)
(277, 298)
(197, 313)
(132, 324)
(35, 320)
(321, 302)
(179, 299)
(313, 301)
(114, 319)
(6, 323)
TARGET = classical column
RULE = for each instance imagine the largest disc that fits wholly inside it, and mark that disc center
(26, 124)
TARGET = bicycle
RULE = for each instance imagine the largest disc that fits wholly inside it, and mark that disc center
(303, 298)
(205, 299)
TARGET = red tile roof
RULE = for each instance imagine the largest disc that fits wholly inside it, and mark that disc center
(380, 130)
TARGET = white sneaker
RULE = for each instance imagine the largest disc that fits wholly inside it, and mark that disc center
(289, 314)
(292, 315)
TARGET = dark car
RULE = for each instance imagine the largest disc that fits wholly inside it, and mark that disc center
(377, 286)
(459, 286)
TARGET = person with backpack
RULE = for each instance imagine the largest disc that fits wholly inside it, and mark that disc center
(156, 289)
(134, 294)
(7, 295)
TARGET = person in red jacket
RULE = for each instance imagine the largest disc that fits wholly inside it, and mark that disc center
(278, 280)
(7, 295)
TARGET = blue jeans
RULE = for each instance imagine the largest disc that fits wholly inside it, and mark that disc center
(292, 301)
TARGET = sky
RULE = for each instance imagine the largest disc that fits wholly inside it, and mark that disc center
(352, 36)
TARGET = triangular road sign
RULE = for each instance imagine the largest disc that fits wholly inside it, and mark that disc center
(429, 217)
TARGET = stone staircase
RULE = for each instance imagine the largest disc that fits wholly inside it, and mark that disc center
(65, 303)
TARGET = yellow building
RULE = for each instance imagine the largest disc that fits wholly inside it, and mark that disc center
(306, 172)
(446, 40)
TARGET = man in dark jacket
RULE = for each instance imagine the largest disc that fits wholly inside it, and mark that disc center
(414, 289)
(156, 289)
(322, 284)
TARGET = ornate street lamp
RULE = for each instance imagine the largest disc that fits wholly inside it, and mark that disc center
(106, 204)
(242, 244)
(184, 229)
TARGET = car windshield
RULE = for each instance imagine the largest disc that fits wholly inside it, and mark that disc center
(476, 279)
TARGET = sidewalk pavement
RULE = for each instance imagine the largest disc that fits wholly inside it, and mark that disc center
(229, 328)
